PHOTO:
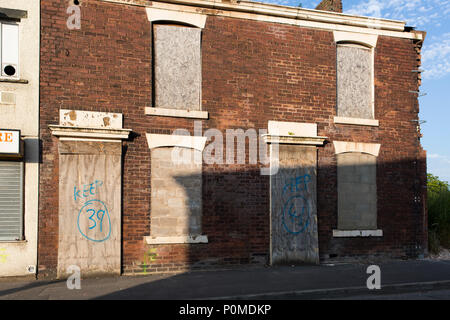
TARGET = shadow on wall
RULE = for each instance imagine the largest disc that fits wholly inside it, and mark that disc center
(235, 215)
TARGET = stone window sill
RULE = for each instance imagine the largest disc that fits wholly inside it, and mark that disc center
(357, 121)
(13, 241)
(357, 233)
(21, 81)
(178, 113)
(177, 239)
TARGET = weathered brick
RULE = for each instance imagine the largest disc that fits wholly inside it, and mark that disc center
(252, 72)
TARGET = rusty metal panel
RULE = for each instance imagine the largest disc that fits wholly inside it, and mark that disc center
(177, 67)
(89, 209)
(294, 237)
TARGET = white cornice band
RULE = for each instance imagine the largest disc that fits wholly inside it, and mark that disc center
(80, 133)
(283, 14)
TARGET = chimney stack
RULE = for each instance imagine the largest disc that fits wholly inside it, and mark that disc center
(330, 5)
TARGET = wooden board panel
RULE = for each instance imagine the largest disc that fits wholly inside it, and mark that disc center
(90, 147)
(354, 82)
(177, 67)
(294, 238)
(90, 212)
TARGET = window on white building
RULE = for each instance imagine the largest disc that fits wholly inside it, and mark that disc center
(9, 55)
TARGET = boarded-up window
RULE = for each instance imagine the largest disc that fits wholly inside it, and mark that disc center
(11, 198)
(357, 191)
(176, 202)
(354, 81)
(177, 67)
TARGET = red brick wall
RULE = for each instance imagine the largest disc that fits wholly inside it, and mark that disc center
(253, 72)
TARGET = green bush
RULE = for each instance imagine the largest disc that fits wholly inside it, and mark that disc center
(433, 242)
(438, 203)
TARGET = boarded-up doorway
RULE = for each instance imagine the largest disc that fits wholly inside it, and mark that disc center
(294, 237)
(89, 206)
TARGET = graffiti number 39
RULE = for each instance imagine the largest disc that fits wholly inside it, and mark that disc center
(93, 221)
(99, 218)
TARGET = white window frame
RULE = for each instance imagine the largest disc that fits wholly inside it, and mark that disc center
(373, 149)
(164, 16)
(182, 141)
(365, 40)
(17, 62)
(176, 24)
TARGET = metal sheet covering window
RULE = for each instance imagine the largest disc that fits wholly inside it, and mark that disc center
(354, 81)
(11, 200)
(177, 67)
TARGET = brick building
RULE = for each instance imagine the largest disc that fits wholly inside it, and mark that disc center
(193, 134)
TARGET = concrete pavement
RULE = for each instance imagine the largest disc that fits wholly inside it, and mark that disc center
(300, 282)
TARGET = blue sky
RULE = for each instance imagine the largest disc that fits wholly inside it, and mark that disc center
(432, 16)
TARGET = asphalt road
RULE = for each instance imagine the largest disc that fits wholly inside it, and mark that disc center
(413, 278)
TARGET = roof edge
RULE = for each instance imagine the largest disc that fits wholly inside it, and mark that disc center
(276, 10)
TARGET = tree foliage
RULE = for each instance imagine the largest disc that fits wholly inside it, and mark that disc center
(438, 204)
(435, 185)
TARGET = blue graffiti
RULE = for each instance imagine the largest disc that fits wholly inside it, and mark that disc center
(99, 219)
(297, 184)
(296, 212)
(98, 210)
(297, 222)
(87, 190)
